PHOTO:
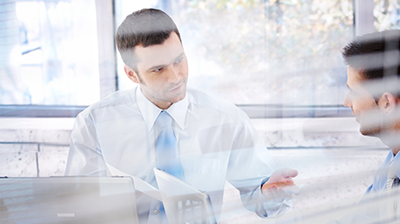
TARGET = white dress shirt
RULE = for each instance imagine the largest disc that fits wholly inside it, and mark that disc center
(216, 142)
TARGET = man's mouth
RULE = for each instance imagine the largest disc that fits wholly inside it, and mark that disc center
(176, 89)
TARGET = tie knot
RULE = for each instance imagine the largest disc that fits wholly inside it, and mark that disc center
(164, 120)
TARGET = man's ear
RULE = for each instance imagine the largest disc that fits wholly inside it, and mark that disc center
(132, 75)
(387, 103)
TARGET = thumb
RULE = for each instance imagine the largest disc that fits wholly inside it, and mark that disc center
(289, 173)
(292, 189)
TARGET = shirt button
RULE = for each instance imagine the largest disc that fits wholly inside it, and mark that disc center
(155, 212)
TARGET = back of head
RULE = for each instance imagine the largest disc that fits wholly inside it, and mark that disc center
(143, 28)
(376, 56)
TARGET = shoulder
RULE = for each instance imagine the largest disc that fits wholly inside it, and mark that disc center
(113, 101)
(210, 103)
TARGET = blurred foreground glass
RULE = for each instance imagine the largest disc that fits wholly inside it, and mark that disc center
(260, 51)
(48, 52)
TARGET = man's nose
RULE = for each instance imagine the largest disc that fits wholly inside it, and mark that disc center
(173, 75)
(347, 101)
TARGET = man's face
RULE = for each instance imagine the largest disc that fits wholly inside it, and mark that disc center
(362, 104)
(162, 72)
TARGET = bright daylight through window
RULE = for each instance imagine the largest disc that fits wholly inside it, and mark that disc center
(262, 52)
(258, 52)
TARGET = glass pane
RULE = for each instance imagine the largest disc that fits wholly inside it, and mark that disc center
(49, 53)
(262, 52)
(387, 14)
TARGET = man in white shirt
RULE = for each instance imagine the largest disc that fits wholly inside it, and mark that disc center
(215, 140)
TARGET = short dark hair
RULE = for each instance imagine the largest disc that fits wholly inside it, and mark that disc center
(377, 57)
(372, 54)
(144, 28)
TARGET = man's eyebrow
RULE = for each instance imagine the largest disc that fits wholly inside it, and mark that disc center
(161, 66)
(155, 67)
(180, 56)
(351, 89)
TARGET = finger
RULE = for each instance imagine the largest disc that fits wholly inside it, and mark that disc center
(276, 196)
(288, 192)
(289, 186)
(284, 194)
(269, 189)
(273, 194)
(288, 182)
(289, 173)
(292, 190)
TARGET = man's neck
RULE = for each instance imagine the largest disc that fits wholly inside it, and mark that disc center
(395, 151)
(392, 140)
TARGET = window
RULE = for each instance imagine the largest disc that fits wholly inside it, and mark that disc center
(387, 15)
(267, 56)
(49, 53)
(262, 52)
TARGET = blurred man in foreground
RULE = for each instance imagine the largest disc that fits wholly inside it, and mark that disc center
(191, 135)
(373, 80)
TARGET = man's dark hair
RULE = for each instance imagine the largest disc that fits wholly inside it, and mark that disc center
(144, 28)
(375, 55)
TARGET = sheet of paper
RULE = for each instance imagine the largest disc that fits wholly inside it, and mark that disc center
(140, 184)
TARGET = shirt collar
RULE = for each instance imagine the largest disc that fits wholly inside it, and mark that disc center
(396, 162)
(391, 156)
(178, 111)
(150, 111)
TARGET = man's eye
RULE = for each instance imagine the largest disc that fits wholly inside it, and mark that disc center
(178, 61)
(157, 69)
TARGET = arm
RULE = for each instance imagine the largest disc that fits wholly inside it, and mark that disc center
(85, 157)
(251, 171)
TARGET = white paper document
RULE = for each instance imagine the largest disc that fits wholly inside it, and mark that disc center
(140, 185)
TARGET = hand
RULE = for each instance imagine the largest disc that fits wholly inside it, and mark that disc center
(280, 185)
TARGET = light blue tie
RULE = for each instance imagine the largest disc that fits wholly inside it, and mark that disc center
(167, 148)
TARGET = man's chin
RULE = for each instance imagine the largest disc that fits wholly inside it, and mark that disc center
(369, 132)
(178, 97)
